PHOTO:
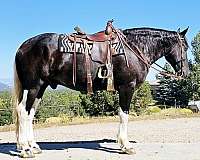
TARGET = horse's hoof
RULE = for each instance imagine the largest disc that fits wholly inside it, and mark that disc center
(129, 151)
(27, 154)
(36, 150)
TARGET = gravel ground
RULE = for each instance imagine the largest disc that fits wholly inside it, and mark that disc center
(168, 139)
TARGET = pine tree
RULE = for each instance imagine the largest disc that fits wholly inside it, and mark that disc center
(196, 48)
(172, 92)
(193, 80)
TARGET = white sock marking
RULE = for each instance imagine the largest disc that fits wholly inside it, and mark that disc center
(30, 133)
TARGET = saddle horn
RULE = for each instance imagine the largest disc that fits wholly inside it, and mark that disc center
(109, 27)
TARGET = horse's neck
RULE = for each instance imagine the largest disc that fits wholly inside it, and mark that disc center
(151, 46)
(153, 53)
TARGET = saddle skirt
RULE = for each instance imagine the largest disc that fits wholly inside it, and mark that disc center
(98, 49)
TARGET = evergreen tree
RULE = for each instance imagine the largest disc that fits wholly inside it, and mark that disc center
(172, 92)
(142, 97)
(196, 48)
(194, 78)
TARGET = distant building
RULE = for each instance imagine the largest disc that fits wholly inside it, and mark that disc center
(194, 106)
(154, 87)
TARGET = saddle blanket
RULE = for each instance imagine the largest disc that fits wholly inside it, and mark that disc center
(65, 45)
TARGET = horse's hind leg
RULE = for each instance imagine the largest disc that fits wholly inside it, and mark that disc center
(26, 112)
(23, 118)
(125, 96)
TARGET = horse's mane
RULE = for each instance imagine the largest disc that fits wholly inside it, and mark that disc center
(149, 31)
(151, 40)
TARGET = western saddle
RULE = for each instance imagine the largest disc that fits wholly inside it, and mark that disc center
(107, 35)
(101, 36)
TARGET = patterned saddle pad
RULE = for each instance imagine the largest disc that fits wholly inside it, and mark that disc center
(66, 45)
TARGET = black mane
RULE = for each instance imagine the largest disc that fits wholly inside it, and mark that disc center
(151, 41)
(148, 29)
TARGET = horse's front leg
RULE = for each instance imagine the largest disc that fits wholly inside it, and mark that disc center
(125, 96)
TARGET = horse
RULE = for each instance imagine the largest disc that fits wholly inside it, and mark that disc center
(39, 64)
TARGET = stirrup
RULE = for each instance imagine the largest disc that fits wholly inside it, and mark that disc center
(109, 69)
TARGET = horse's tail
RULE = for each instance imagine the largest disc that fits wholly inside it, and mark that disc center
(17, 95)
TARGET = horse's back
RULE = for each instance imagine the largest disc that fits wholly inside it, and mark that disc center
(31, 42)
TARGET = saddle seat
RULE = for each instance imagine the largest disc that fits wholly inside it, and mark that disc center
(101, 36)
(98, 37)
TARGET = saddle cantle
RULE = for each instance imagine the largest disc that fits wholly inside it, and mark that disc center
(103, 36)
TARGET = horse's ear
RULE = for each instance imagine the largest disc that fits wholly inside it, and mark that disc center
(178, 30)
(183, 33)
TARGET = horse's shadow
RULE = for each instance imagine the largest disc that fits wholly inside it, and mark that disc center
(9, 148)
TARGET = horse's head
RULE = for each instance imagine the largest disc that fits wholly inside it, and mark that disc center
(177, 54)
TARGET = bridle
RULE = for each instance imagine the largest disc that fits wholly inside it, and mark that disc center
(182, 52)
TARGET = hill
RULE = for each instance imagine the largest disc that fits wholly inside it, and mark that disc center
(4, 87)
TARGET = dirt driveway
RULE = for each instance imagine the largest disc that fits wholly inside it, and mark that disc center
(169, 139)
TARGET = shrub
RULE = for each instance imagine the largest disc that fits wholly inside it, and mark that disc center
(5, 117)
(142, 98)
(152, 110)
(5, 108)
(53, 120)
(56, 102)
(175, 112)
(100, 103)
(185, 111)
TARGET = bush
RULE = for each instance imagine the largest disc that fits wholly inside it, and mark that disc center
(62, 118)
(142, 98)
(185, 111)
(175, 112)
(53, 120)
(152, 110)
(100, 103)
(56, 102)
(5, 117)
(5, 108)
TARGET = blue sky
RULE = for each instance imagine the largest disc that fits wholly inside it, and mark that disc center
(22, 19)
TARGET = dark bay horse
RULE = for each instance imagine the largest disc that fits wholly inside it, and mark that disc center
(39, 64)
